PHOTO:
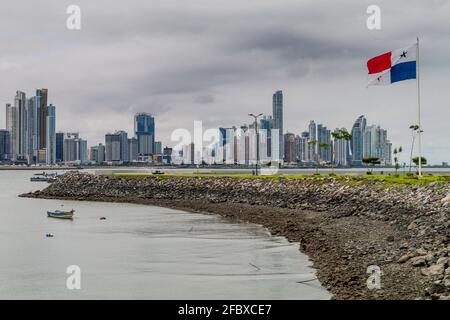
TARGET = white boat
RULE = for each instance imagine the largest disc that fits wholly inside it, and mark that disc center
(61, 214)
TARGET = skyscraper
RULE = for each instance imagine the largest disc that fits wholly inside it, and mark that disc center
(11, 127)
(340, 151)
(324, 137)
(144, 130)
(51, 135)
(376, 144)
(124, 149)
(71, 150)
(4, 145)
(133, 148)
(33, 130)
(265, 128)
(358, 129)
(42, 94)
(20, 125)
(289, 148)
(312, 129)
(277, 115)
(112, 148)
(97, 154)
(82, 151)
(116, 147)
(59, 146)
(303, 152)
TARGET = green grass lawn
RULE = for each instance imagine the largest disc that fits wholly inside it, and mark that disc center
(351, 179)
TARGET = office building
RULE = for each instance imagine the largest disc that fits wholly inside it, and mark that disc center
(289, 148)
(59, 146)
(341, 151)
(277, 115)
(42, 95)
(51, 135)
(11, 128)
(133, 149)
(357, 143)
(324, 138)
(5, 145)
(144, 130)
(97, 154)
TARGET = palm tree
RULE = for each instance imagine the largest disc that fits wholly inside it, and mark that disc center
(371, 161)
(397, 151)
(341, 134)
(336, 136)
(416, 161)
(414, 131)
(313, 143)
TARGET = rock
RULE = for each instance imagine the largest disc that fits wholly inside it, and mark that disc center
(437, 288)
(436, 270)
(447, 282)
(412, 226)
(418, 261)
(405, 258)
(421, 252)
(443, 261)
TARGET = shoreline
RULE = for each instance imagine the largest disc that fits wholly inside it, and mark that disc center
(340, 244)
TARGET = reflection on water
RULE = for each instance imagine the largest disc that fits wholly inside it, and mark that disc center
(140, 252)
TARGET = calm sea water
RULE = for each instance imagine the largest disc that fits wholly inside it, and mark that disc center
(140, 252)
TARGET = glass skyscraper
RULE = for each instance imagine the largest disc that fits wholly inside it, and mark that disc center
(51, 135)
(4, 145)
(59, 146)
(277, 115)
(144, 129)
(358, 130)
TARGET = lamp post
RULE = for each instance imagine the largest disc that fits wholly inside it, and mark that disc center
(257, 139)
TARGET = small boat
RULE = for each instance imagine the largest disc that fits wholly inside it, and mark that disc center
(45, 178)
(60, 214)
(157, 172)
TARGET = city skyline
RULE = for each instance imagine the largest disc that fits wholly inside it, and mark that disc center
(316, 144)
(227, 71)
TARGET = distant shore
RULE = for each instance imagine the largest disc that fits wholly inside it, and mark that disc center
(343, 225)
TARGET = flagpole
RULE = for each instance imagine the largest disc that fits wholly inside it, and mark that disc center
(418, 110)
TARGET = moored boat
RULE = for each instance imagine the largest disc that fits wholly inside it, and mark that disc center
(61, 214)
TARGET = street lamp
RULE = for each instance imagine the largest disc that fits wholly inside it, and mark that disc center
(257, 139)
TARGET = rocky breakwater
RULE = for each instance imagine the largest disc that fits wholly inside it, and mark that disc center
(344, 224)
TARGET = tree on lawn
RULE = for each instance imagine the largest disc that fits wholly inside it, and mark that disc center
(371, 162)
(313, 144)
(416, 161)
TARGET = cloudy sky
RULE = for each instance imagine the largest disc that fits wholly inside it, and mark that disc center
(216, 61)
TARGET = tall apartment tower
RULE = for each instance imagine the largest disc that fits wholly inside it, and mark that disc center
(277, 115)
(357, 145)
(51, 135)
(42, 94)
(312, 129)
(10, 126)
(20, 125)
(144, 130)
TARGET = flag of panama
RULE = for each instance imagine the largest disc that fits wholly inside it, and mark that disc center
(393, 66)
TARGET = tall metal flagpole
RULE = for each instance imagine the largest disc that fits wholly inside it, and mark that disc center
(418, 109)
